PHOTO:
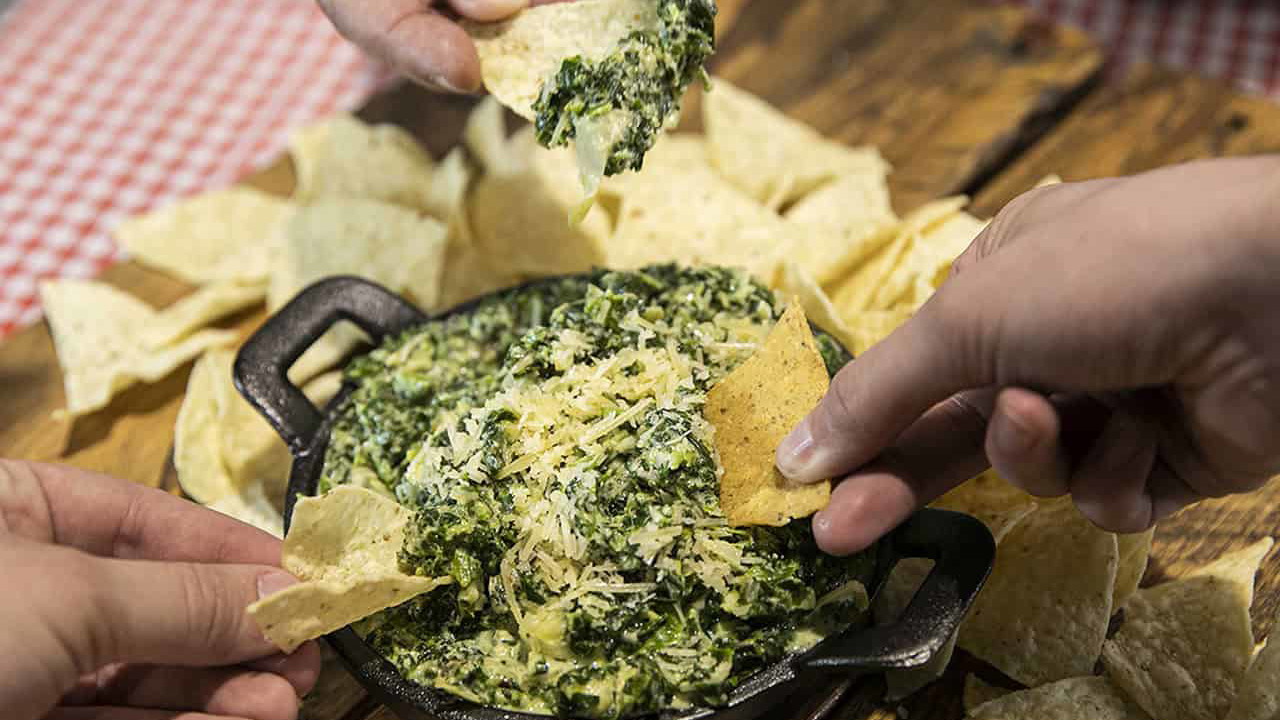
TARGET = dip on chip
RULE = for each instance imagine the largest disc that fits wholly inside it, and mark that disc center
(607, 75)
(551, 447)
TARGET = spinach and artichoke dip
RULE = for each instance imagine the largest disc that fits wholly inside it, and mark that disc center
(552, 446)
(615, 106)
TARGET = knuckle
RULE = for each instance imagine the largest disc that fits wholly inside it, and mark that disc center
(207, 609)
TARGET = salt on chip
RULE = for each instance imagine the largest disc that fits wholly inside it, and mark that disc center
(219, 235)
(518, 55)
(343, 157)
(1259, 693)
(1000, 506)
(1185, 645)
(1135, 550)
(1079, 698)
(343, 546)
(841, 225)
(207, 304)
(694, 217)
(978, 692)
(1044, 612)
(770, 156)
(96, 330)
(752, 409)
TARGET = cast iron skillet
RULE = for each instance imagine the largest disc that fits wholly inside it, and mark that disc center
(961, 546)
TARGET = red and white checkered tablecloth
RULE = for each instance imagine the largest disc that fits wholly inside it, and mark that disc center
(109, 107)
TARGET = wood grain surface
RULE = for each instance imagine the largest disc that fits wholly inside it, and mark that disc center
(961, 97)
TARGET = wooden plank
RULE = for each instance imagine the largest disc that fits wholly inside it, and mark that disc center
(945, 89)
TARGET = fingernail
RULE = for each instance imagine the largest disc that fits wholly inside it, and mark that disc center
(270, 583)
(1011, 437)
(795, 454)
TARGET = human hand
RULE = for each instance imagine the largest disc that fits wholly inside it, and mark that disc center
(1114, 339)
(418, 38)
(125, 603)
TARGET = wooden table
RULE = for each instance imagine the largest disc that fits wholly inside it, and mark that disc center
(960, 97)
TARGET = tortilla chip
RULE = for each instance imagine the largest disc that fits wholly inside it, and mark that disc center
(695, 217)
(1135, 549)
(841, 225)
(927, 266)
(519, 54)
(1259, 692)
(1185, 645)
(869, 327)
(342, 157)
(219, 235)
(343, 547)
(485, 136)
(1081, 698)
(752, 409)
(250, 505)
(856, 293)
(395, 247)
(797, 282)
(446, 199)
(1043, 614)
(196, 448)
(992, 499)
(202, 307)
(978, 692)
(96, 330)
(771, 157)
(521, 220)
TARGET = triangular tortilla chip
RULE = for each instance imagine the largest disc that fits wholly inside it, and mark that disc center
(929, 262)
(771, 157)
(1081, 698)
(1135, 549)
(992, 499)
(796, 282)
(220, 235)
(752, 409)
(343, 546)
(196, 448)
(694, 217)
(96, 332)
(841, 225)
(518, 55)
(206, 305)
(1185, 644)
(342, 157)
(1259, 695)
(250, 505)
(1043, 614)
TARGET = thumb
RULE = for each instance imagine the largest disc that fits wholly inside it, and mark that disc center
(188, 614)
(874, 399)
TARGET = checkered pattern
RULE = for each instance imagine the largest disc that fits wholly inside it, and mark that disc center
(1236, 40)
(110, 107)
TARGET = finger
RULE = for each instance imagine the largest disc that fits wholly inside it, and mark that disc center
(1022, 443)
(488, 10)
(1109, 484)
(870, 402)
(107, 516)
(183, 614)
(1168, 492)
(414, 39)
(301, 668)
(939, 452)
(123, 713)
(218, 691)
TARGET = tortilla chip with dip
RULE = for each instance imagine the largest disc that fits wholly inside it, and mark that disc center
(343, 546)
(752, 409)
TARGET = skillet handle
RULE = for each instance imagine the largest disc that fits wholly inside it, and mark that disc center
(963, 552)
(261, 366)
